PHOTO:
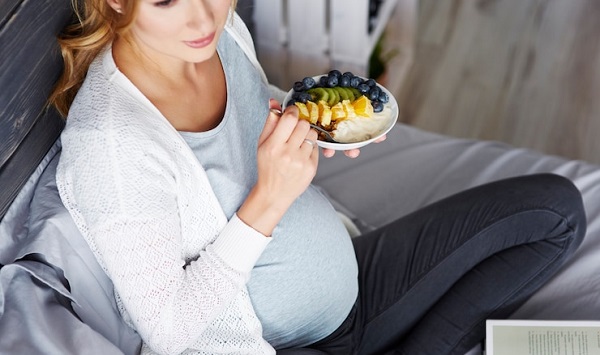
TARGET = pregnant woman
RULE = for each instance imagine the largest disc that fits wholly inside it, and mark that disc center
(195, 197)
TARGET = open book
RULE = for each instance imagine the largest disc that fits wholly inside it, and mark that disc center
(542, 337)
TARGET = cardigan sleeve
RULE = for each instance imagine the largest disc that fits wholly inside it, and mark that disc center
(127, 208)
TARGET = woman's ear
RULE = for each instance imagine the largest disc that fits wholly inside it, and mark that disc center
(116, 5)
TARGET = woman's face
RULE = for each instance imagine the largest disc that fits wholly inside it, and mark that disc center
(181, 29)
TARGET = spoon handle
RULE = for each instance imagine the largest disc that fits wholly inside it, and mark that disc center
(325, 134)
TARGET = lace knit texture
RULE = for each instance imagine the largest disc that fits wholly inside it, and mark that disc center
(144, 205)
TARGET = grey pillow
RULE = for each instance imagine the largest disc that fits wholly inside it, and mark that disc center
(38, 228)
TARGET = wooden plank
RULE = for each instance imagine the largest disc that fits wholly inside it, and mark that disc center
(30, 63)
(7, 10)
(300, 48)
(351, 41)
(307, 27)
(27, 73)
(25, 159)
(284, 67)
(349, 30)
(270, 24)
(327, 34)
(400, 36)
(524, 72)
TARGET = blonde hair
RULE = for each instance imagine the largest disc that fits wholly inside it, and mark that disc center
(98, 24)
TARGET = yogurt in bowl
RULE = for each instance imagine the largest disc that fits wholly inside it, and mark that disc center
(360, 129)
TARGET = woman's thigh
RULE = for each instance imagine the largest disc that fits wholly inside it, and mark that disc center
(481, 251)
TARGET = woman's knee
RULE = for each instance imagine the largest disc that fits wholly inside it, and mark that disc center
(559, 194)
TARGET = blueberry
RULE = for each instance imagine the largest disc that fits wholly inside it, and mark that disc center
(356, 81)
(323, 81)
(335, 73)
(345, 81)
(349, 74)
(374, 93)
(308, 83)
(383, 97)
(299, 86)
(371, 83)
(332, 81)
(304, 96)
(363, 88)
(377, 106)
(290, 102)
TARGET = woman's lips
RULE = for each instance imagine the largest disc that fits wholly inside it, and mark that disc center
(201, 42)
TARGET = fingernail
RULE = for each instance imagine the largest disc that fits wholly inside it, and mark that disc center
(276, 111)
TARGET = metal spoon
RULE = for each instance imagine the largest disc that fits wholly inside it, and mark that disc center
(326, 135)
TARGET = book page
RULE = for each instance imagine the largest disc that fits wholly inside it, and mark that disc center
(515, 337)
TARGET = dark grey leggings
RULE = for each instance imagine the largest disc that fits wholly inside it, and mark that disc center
(430, 279)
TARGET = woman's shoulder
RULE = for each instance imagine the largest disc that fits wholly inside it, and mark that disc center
(108, 103)
(238, 30)
(102, 125)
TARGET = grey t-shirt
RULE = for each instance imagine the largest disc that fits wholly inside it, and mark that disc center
(305, 283)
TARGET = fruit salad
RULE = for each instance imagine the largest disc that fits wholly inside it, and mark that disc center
(353, 109)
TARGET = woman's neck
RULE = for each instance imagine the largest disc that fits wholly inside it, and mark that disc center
(192, 96)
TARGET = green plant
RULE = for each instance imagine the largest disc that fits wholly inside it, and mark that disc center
(379, 58)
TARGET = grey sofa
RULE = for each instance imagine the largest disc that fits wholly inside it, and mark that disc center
(54, 297)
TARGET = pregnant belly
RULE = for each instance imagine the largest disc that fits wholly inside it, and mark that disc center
(305, 283)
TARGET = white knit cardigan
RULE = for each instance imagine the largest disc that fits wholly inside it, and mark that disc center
(144, 204)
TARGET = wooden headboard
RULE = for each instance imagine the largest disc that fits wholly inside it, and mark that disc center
(30, 63)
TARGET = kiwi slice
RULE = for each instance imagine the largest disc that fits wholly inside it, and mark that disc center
(350, 93)
(355, 92)
(334, 97)
(342, 92)
(319, 94)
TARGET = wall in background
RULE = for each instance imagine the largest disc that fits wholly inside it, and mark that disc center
(245, 8)
(310, 37)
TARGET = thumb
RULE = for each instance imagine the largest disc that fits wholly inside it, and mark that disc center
(271, 121)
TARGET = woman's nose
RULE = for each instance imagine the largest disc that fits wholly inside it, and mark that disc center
(199, 13)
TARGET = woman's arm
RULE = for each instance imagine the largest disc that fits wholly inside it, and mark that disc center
(286, 166)
(125, 201)
(129, 212)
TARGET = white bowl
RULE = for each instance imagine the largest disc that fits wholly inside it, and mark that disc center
(392, 104)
